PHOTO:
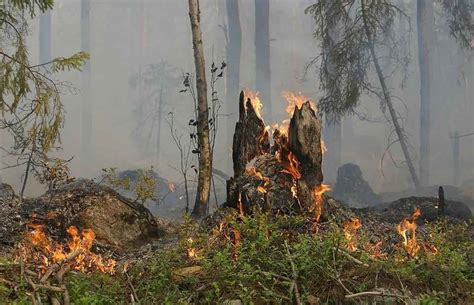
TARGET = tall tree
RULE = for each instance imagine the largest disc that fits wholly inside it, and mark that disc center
(332, 130)
(344, 72)
(262, 54)
(204, 149)
(32, 112)
(86, 113)
(233, 52)
(426, 37)
(45, 37)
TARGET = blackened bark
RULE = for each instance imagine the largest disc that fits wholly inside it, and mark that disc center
(304, 140)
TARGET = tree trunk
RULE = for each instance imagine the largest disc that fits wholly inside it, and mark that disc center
(333, 143)
(205, 157)
(45, 37)
(388, 101)
(233, 51)
(333, 130)
(86, 114)
(425, 24)
(158, 130)
(262, 54)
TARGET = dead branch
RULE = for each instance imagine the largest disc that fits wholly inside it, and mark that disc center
(295, 275)
(380, 292)
(355, 260)
(56, 266)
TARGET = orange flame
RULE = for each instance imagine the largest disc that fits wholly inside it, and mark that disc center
(171, 187)
(296, 100)
(323, 146)
(318, 201)
(408, 224)
(45, 251)
(350, 228)
(292, 166)
(255, 100)
(191, 250)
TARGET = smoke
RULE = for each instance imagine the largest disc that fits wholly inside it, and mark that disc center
(125, 39)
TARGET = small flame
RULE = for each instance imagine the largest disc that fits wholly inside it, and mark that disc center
(296, 100)
(171, 187)
(350, 228)
(323, 146)
(408, 224)
(191, 250)
(240, 205)
(291, 167)
(318, 201)
(255, 100)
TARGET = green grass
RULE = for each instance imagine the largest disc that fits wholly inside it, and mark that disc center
(256, 268)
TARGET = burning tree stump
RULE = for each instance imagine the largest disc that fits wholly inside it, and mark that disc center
(283, 177)
(304, 140)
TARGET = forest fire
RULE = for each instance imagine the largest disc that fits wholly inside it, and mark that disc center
(255, 100)
(318, 201)
(350, 228)
(408, 224)
(37, 248)
(296, 100)
(291, 166)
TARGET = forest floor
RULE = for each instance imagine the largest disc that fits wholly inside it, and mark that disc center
(261, 259)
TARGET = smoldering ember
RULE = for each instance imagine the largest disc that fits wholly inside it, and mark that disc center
(237, 152)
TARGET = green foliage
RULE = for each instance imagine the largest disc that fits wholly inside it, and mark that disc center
(31, 110)
(144, 187)
(459, 16)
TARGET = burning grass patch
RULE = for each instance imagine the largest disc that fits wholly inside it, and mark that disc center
(278, 259)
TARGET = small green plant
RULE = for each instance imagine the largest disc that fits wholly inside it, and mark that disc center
(144, 187)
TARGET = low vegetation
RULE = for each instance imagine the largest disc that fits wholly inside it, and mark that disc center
(263, 259)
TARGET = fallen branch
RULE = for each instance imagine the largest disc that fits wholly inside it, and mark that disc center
(56, 266)
(380, 292)
(295, 275)
(352, 258)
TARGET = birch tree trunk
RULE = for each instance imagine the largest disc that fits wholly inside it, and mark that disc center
(425, 24)
(205, 157)
(262, 54)
(86, 113)
(233, 52)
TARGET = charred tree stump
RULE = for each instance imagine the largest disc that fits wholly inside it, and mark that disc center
(281, 178)
(441, 202)
(304, 140)
(250, 140)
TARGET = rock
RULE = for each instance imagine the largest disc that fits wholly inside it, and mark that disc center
(352, 188)
(394, 212)
(182, 274)
(450, 192)
(6, 192)
(117, 221)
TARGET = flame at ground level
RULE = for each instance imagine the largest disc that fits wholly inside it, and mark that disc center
(38, 248)
(407, 225)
